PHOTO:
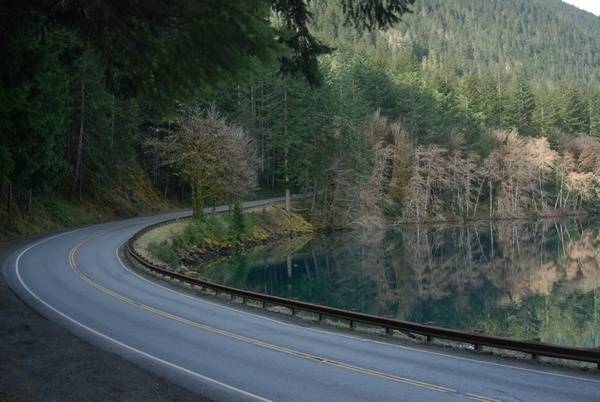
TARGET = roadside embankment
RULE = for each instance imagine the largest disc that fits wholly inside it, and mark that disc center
(191, 242)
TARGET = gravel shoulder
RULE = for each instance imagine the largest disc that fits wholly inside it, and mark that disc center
(41, 361)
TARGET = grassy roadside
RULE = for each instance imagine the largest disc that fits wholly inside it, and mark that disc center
(48, 214)
(133, 194)
(188, 243)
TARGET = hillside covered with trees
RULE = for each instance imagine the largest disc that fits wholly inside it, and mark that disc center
(548, 40)
(460, 110)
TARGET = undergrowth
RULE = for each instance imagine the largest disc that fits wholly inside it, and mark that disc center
(130, 194)
(234, 230)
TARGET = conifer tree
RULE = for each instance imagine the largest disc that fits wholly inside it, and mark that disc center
(522, 107)
(575, 112)
(594, 112)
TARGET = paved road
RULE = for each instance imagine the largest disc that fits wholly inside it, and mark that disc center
(225, 353)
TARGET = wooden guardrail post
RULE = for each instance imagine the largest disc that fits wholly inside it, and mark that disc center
(477, 346)
(535, 356)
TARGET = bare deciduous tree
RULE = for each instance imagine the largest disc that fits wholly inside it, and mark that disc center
(218, 158)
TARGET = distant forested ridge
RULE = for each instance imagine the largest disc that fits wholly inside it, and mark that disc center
(547, 40)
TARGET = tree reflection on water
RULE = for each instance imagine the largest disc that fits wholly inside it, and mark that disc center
(510, 278)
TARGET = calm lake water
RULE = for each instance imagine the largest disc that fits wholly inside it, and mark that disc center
(520, 279)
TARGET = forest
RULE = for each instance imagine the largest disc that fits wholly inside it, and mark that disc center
(384, 112)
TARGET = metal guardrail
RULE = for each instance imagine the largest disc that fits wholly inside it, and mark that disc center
(476, 339)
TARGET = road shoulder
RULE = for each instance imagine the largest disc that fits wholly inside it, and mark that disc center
(42, 361)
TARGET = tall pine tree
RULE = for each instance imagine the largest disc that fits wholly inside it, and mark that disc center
(522, 107)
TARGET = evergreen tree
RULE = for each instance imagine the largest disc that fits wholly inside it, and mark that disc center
(575, 112)
(547, 115)
(34, 109)
(522, 107)
(493, 102)
(594, 112)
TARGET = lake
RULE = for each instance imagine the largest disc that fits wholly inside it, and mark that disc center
(520, 279)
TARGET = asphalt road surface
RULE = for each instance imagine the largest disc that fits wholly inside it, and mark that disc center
(223, 352)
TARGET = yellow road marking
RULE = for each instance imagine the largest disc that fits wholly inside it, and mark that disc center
(265, 345)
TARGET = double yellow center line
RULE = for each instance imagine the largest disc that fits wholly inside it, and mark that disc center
(262, 344)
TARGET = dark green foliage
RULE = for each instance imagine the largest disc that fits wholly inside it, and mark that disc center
(237, 225)
(158, 48)
(83, 84)
(521, 107)
(594, 109)
(304, 46)
(163, 49)
(6, 164)
(220, 234)
(195, 233)
(80, 81)
(575, 115)
(375, 14)
(111, 123)
(34, 107)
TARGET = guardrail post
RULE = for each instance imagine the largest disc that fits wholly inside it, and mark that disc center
(535, 356)
(352, 324)
(389, 331)
(320, 317)
(293, 310)
(477, 346)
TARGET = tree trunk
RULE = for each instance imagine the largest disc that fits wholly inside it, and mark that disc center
(477, 199)
(491, 200)
(166, 185)
(315, 262)
(286, 150)
(77, 178)
(193, 199)
(155, 169)
(491, 241)
(289, 265)
(314, 198)
(9, 198)
(197, 211)
(112, 124)
(29, 201)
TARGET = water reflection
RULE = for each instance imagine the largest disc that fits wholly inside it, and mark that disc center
(519, 279)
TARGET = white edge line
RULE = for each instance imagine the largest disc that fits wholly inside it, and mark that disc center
(361, 339)
(119, 343)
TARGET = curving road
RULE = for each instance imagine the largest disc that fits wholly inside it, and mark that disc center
(224, 352)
